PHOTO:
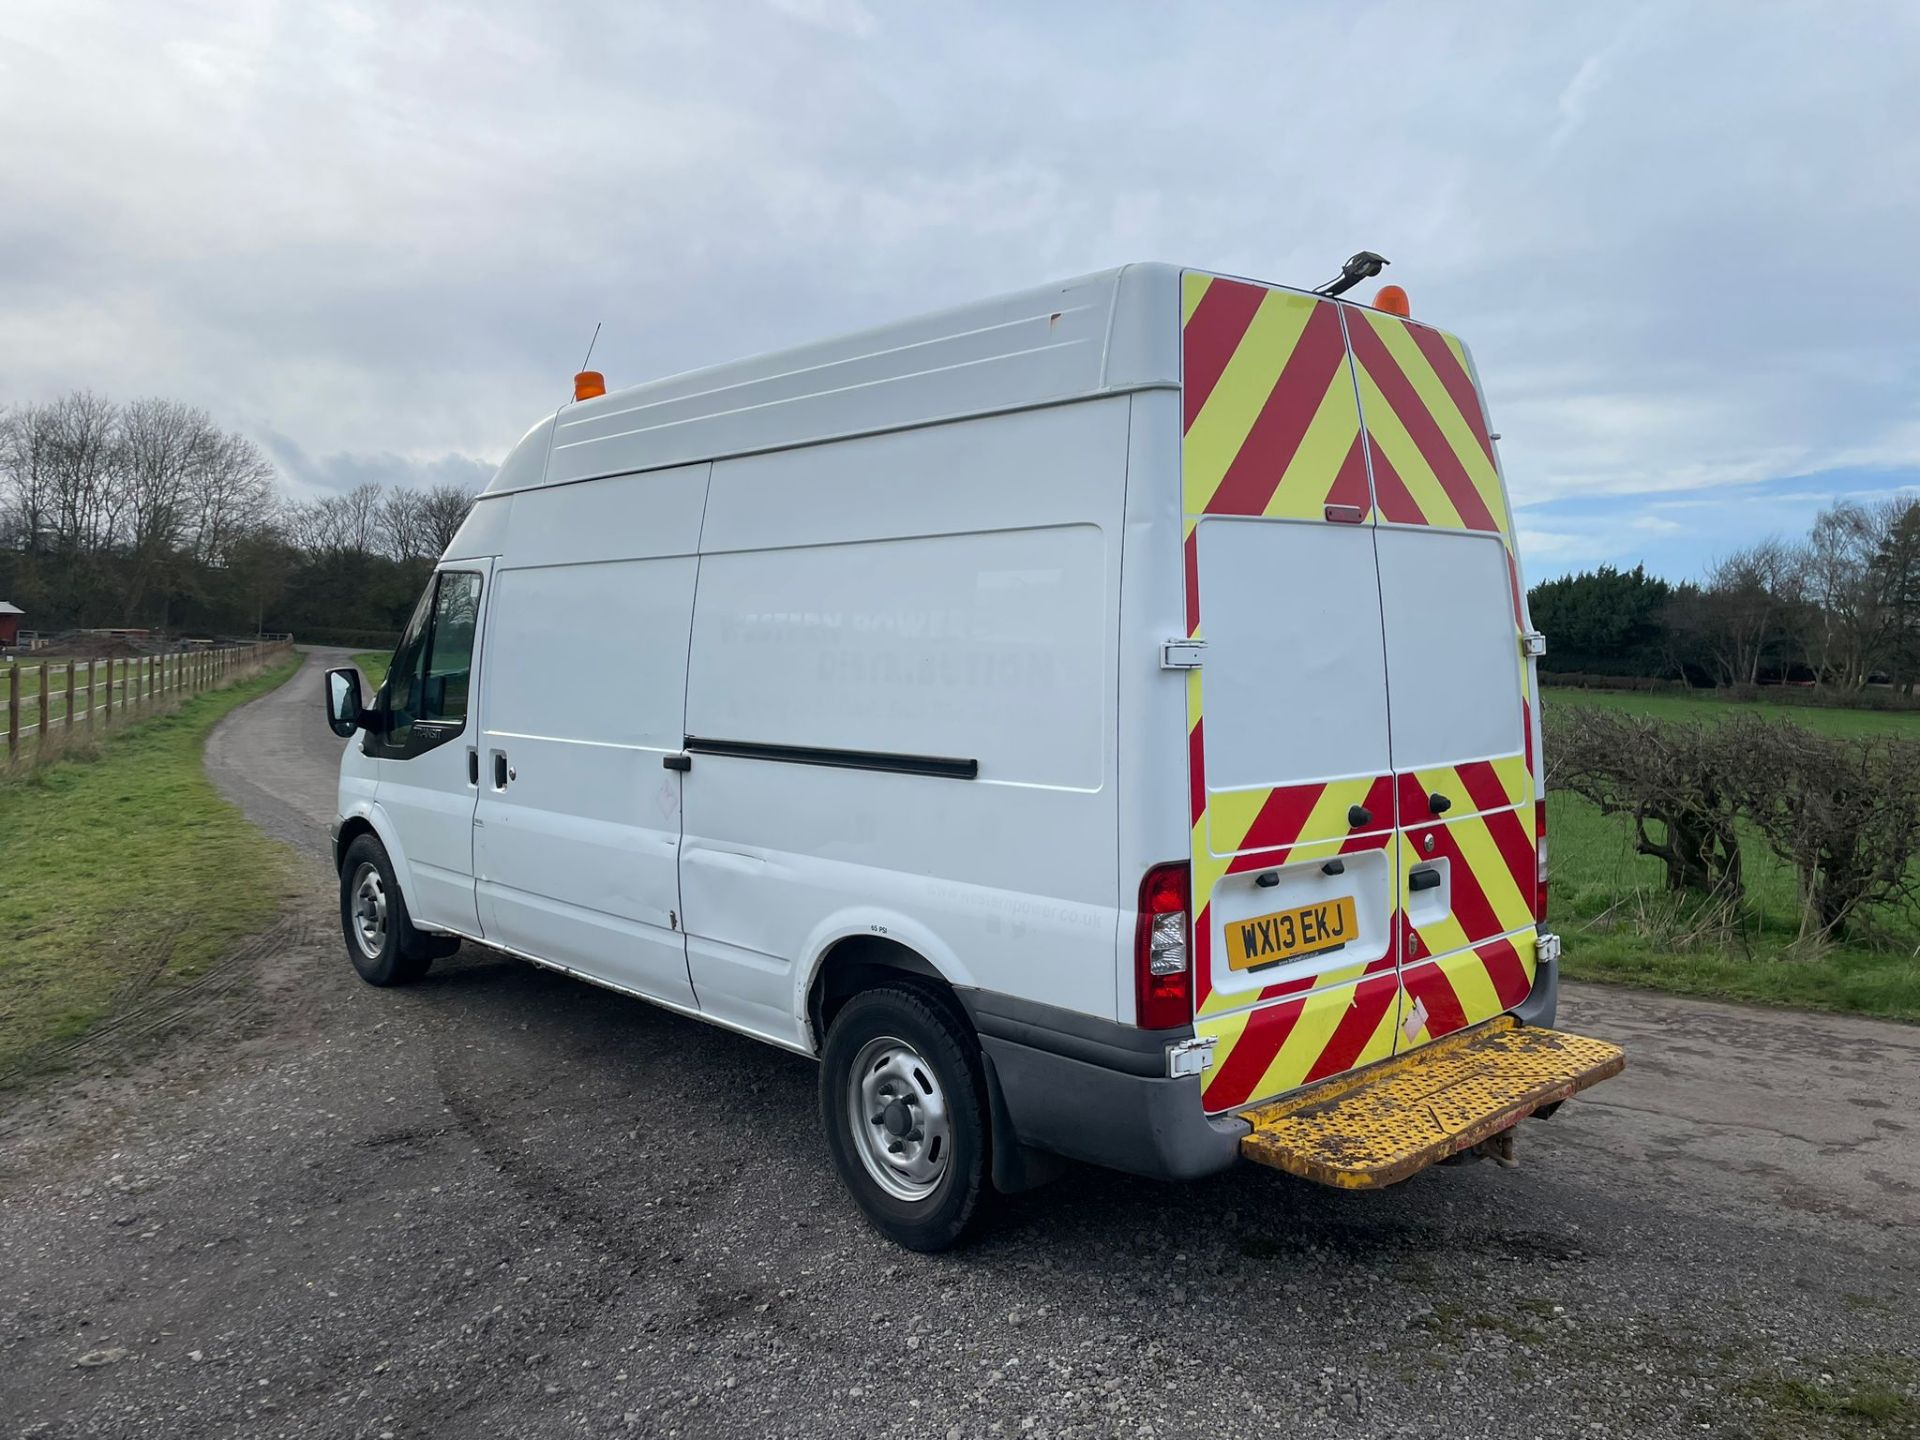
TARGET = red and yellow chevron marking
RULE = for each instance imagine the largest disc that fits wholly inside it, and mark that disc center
(1471, 786)
(1270, 422)
(1207, 1001)
(1430, 451)
(1464, 988)
(1271, 429)
(1281, 1046)
(1490, 868)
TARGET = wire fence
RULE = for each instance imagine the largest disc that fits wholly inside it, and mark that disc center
(44, 702)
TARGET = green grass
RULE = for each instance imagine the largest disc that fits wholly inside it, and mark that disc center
(1868, 1397)
(124, 870)
(1618, 924)
(373, 671)
(1683, 707)
(127, 678)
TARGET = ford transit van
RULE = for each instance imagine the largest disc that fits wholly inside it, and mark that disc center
(1097, 723)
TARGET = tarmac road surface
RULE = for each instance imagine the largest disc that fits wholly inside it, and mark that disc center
(502, 1203)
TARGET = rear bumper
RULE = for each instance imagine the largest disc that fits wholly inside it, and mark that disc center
(1093, 1090)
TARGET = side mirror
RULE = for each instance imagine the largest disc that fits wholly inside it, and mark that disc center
(345, 713)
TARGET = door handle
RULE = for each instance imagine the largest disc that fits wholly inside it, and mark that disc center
(499, 769)
(677, 762)
(473, 766)
(1423, 880)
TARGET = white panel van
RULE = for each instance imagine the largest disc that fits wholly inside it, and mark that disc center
(1096, 723)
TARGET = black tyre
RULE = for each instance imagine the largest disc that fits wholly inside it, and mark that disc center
(381, 939)
(905, 1111)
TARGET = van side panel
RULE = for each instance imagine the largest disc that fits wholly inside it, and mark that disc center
(947, 593)
(1154, 825)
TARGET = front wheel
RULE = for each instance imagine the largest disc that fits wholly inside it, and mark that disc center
(904, 1108)
(382, 941)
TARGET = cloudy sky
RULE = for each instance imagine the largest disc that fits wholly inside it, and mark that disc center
(1681, 238)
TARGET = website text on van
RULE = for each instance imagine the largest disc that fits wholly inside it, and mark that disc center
(1096, 723)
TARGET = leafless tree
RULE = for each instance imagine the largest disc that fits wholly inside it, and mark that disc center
(155, 439)
(26, 476)
(340, 525)
(402, 520)
(1746, 603)
(230, 493)
(84, 453)
(443, 511)
(1849, 617)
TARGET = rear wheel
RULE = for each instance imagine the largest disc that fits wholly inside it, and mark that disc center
(382, 941)
(905, 1112)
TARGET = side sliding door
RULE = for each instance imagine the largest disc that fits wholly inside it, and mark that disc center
(577, 835)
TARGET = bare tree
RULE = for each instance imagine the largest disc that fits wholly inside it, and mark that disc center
(83, 454)
(1851, 618)
(156, 439)
(230, 494)
(340, 525)
(1745, 605)
(443, 511)
(1897, 563)
(402, 519)
(26, 476)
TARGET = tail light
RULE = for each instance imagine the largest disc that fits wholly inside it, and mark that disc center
(1163, 949)
(1540, 860)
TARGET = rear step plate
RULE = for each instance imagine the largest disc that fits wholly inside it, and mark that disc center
(1381, 1124)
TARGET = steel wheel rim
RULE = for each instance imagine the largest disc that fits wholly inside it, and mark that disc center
(369, 910)
(901, 1126)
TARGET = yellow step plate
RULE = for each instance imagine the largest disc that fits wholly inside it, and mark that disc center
(1381, 1124)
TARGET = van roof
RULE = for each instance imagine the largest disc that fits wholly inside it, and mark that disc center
(1099, 334)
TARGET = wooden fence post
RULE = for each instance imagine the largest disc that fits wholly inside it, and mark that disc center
(70, 664)
(13, 708)
(106, 715)
(92, 666)
(46, 723)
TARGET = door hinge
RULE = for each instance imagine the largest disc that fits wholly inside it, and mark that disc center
(1533, 644)
(1546, 949)
(1191, 1056)
(1182, 654)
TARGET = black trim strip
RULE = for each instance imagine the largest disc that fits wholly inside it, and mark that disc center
(943, 766)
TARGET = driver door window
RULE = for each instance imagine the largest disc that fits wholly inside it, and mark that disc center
(424, 702)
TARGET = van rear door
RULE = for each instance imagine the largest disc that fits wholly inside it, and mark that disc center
(1295, 863)
(1458, 680)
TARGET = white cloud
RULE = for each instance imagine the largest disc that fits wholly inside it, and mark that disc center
(388, 231)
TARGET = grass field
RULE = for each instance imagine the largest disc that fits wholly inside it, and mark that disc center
(123, 871)
(1609, 905)
(373, 670)
(1681, 707)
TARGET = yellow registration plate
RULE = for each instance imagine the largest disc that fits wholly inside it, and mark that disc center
(1285, 934)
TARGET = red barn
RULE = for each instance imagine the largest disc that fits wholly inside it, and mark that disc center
(10, 623)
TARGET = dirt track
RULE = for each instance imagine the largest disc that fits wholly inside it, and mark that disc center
(505, 1204)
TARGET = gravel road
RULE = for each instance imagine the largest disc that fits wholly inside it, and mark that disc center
(505, 1204)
